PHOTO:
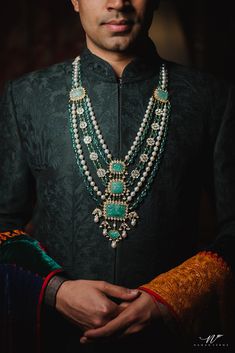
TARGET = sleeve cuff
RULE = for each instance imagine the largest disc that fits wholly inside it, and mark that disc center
(52, 288)
(188, 287)
(159, 299)
(40, 302)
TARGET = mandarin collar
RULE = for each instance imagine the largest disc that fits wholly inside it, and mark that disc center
(142, 67)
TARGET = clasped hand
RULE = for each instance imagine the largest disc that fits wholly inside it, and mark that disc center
(88, 304)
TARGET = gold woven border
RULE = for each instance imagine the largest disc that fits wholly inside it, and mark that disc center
(10, 234)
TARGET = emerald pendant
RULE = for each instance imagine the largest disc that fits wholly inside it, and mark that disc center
(114, 234)
(77, 94)
(117, 167)
(115, 210)
(116, 187)
(161, 95)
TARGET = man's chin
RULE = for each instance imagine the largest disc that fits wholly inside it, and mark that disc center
(119, 45)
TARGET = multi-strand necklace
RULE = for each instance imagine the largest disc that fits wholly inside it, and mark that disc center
(117, 185)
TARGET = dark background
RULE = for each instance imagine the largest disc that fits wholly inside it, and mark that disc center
(34, 34)
(198, 33)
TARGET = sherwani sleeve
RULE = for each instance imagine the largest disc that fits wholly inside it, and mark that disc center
(224, 183)
(16, 197)
(188, 288)
(25, 267)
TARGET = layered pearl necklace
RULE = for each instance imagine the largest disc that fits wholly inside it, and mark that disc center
(118, 185)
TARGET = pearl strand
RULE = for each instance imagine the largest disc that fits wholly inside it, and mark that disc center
(82, 158)
(153, 157)
(140, 131)
(97, 129)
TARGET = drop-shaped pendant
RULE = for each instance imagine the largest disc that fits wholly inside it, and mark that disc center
(114, 244)
(124, 234)
(133, 222)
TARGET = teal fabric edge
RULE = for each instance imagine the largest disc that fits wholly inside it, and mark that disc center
(24, 251)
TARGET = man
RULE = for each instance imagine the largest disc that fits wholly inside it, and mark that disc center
(136, 163)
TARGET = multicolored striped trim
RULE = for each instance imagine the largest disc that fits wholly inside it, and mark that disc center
(10, 234)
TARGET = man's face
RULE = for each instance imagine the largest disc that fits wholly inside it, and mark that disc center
(115, 25)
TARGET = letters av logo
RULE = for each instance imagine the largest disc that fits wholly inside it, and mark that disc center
(211, 338)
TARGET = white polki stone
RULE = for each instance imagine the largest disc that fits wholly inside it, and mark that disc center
(135, 174)
(87, 140)
(158, 111)
(155, 126)
(93, 156)
(101, 173)
(150, 141)
(80, 111)
(83, 125)
(144, 157)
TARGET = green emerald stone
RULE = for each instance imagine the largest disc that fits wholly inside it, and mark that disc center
(77, 93)
(115, 210)
(116, 187)
(114, 234)
(162, 95)
(117, 167)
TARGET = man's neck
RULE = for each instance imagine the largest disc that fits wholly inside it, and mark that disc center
(118, 60)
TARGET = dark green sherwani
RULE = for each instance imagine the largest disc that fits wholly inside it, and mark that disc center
(40, 181)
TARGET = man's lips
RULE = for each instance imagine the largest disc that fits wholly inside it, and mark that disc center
(118, 25)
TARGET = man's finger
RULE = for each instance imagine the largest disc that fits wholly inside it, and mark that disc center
(119, 292)
(123, 306)
(135, 328)
(129, 331)
(113, 327)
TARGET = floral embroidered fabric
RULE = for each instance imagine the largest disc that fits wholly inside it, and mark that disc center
(187, 287)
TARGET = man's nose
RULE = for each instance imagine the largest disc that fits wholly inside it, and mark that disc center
(118, 4)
